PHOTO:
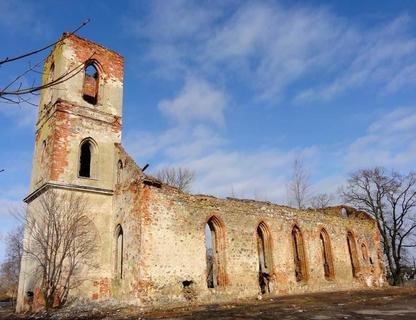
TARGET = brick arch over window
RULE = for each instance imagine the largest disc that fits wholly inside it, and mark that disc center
(299, 254)
(327, 259)
(215, 252)
(352, 250)
(264, 249)
(91, 82)
(118, 252)
(88, 159)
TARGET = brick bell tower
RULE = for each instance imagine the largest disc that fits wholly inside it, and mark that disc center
(79, 123)
(79, 120)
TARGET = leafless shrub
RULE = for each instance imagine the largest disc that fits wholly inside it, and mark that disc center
(299, 186)
(10, 268)
(321, 201)
(60, 239)
(181, 178)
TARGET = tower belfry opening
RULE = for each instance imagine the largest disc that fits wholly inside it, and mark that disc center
(90, 88)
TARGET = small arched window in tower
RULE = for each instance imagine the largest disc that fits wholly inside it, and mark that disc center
(52, 72)
(119, 170)
(344, 212)
(119, 252)
(43, 152)
(352, 250)
(328, 264)
(215, 252)
(264, 249)
(86, 159)
(90, 87)
(299, 254)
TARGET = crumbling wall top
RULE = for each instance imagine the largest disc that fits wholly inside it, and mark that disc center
(110, 62)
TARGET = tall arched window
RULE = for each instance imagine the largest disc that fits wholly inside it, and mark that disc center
(119, 252)
(85, 159)
(328, 264)
(90, 87)
(264, 249)
(352, 250)
(299, 254)
(215, 253)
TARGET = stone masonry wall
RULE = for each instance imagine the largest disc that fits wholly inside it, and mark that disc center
(164, 234)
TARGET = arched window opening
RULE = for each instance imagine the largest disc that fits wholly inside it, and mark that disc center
(119, 169)
(328, 264)
(85, 159)
(215, 253)
(43, 160)
(265, 257)
(43, 152)
(52, 72)
(90, 87)
(344, 212)
(299, 254)
(119, 252)
(352, 250)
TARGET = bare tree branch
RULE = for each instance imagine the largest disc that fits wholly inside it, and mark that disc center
(9, 269)
(60, 239)
(299, 185)
(391, 200)
(181, 178)
(15, 92)
(321, 201)
(27, 54)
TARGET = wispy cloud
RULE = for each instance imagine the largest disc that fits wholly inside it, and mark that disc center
(390, 141)
(271, 48)
(260, 173)
(22, 17)
(197, 100)
(23, 115)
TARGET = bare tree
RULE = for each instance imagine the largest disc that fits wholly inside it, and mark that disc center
(181, 178)
(390, 198)
(16, 92)
(9, 269)
(299, 186)
(59, 239)
(321, 201)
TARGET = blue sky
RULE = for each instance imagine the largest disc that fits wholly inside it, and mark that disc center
(235, 90)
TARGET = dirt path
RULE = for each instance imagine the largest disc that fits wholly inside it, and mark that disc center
(380, 304)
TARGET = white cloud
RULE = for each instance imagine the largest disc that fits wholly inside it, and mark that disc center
(22, 17)
(23, 114)
(173, 143)
(198, 100)
(379, 54)
(174, 20)
(390, 141)
(272, 48)
(260, 173)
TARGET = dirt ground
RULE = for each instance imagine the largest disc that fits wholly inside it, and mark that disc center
(391, 303)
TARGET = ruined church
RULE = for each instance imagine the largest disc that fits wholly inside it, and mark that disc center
(158, 246)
